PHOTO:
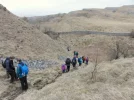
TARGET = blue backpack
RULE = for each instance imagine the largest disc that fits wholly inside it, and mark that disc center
(24, 69)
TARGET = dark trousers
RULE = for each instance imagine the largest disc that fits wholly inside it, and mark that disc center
(83, 61)
(79, 64)
(15, 76)
(87, 62)
(12, 74)
(24, 84)
(63, 71)
(68, 68)
(74, 64)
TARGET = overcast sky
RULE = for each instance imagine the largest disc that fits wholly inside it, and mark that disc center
(46, 7)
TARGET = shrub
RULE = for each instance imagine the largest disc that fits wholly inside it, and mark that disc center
(132, 34)
(25, 19)
(119, 48)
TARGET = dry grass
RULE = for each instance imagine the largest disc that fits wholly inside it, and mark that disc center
(114, 81)
(20, 39)
(107, 45)
(92, 19)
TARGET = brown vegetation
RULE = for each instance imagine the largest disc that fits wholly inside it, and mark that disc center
(132, 34)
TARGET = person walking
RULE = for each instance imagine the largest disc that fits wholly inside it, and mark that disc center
(83, 59)
(80, 61)
(74, 53)
(12, 64)
(74, 62)
(77, 54)
(68, 62)
(10, 69)
(63, 68)
(87, 59)
(22, 72)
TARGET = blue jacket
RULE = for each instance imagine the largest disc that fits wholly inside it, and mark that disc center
(80, 60)
(19, 73)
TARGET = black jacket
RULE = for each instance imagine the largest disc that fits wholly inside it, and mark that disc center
(9, 65)
(68, 61)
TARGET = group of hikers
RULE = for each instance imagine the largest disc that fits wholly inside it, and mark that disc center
(66, 67)
(20, 71)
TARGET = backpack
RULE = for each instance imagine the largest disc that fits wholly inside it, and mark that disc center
(24, 69)
(6, 64)
(74, 60)
(68, 61)
(81, 60)
(63, 67)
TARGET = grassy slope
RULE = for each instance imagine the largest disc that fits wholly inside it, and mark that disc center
(114, 81)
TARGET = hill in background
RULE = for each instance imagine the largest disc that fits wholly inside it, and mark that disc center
(110, 19)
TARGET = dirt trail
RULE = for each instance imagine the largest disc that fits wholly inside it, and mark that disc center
(11, 93)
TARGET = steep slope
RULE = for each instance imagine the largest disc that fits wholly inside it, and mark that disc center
(19, 38)
(114, 81)
(120, 19)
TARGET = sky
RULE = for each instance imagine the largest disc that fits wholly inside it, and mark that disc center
(47, 7)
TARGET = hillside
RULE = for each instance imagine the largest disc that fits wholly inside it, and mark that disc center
(19, 38)
(114, 81)
(110, 19)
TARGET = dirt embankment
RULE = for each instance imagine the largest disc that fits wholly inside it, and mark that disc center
(37, 79)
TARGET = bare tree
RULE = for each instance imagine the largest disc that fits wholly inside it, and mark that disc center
(93, 77)
(117, 50)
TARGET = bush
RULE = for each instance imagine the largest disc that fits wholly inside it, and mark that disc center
(132, 34)
(25, 19)
(120, 48)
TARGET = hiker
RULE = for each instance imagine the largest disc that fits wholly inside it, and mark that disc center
(87, 59)
(12, 64)
(74, 53)
(10, 69)
(83, 58)
(22, 72)
(68, 62)
(74, 61)
(4, 66)
(63, 68)
(80, 61)
(77, 54)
